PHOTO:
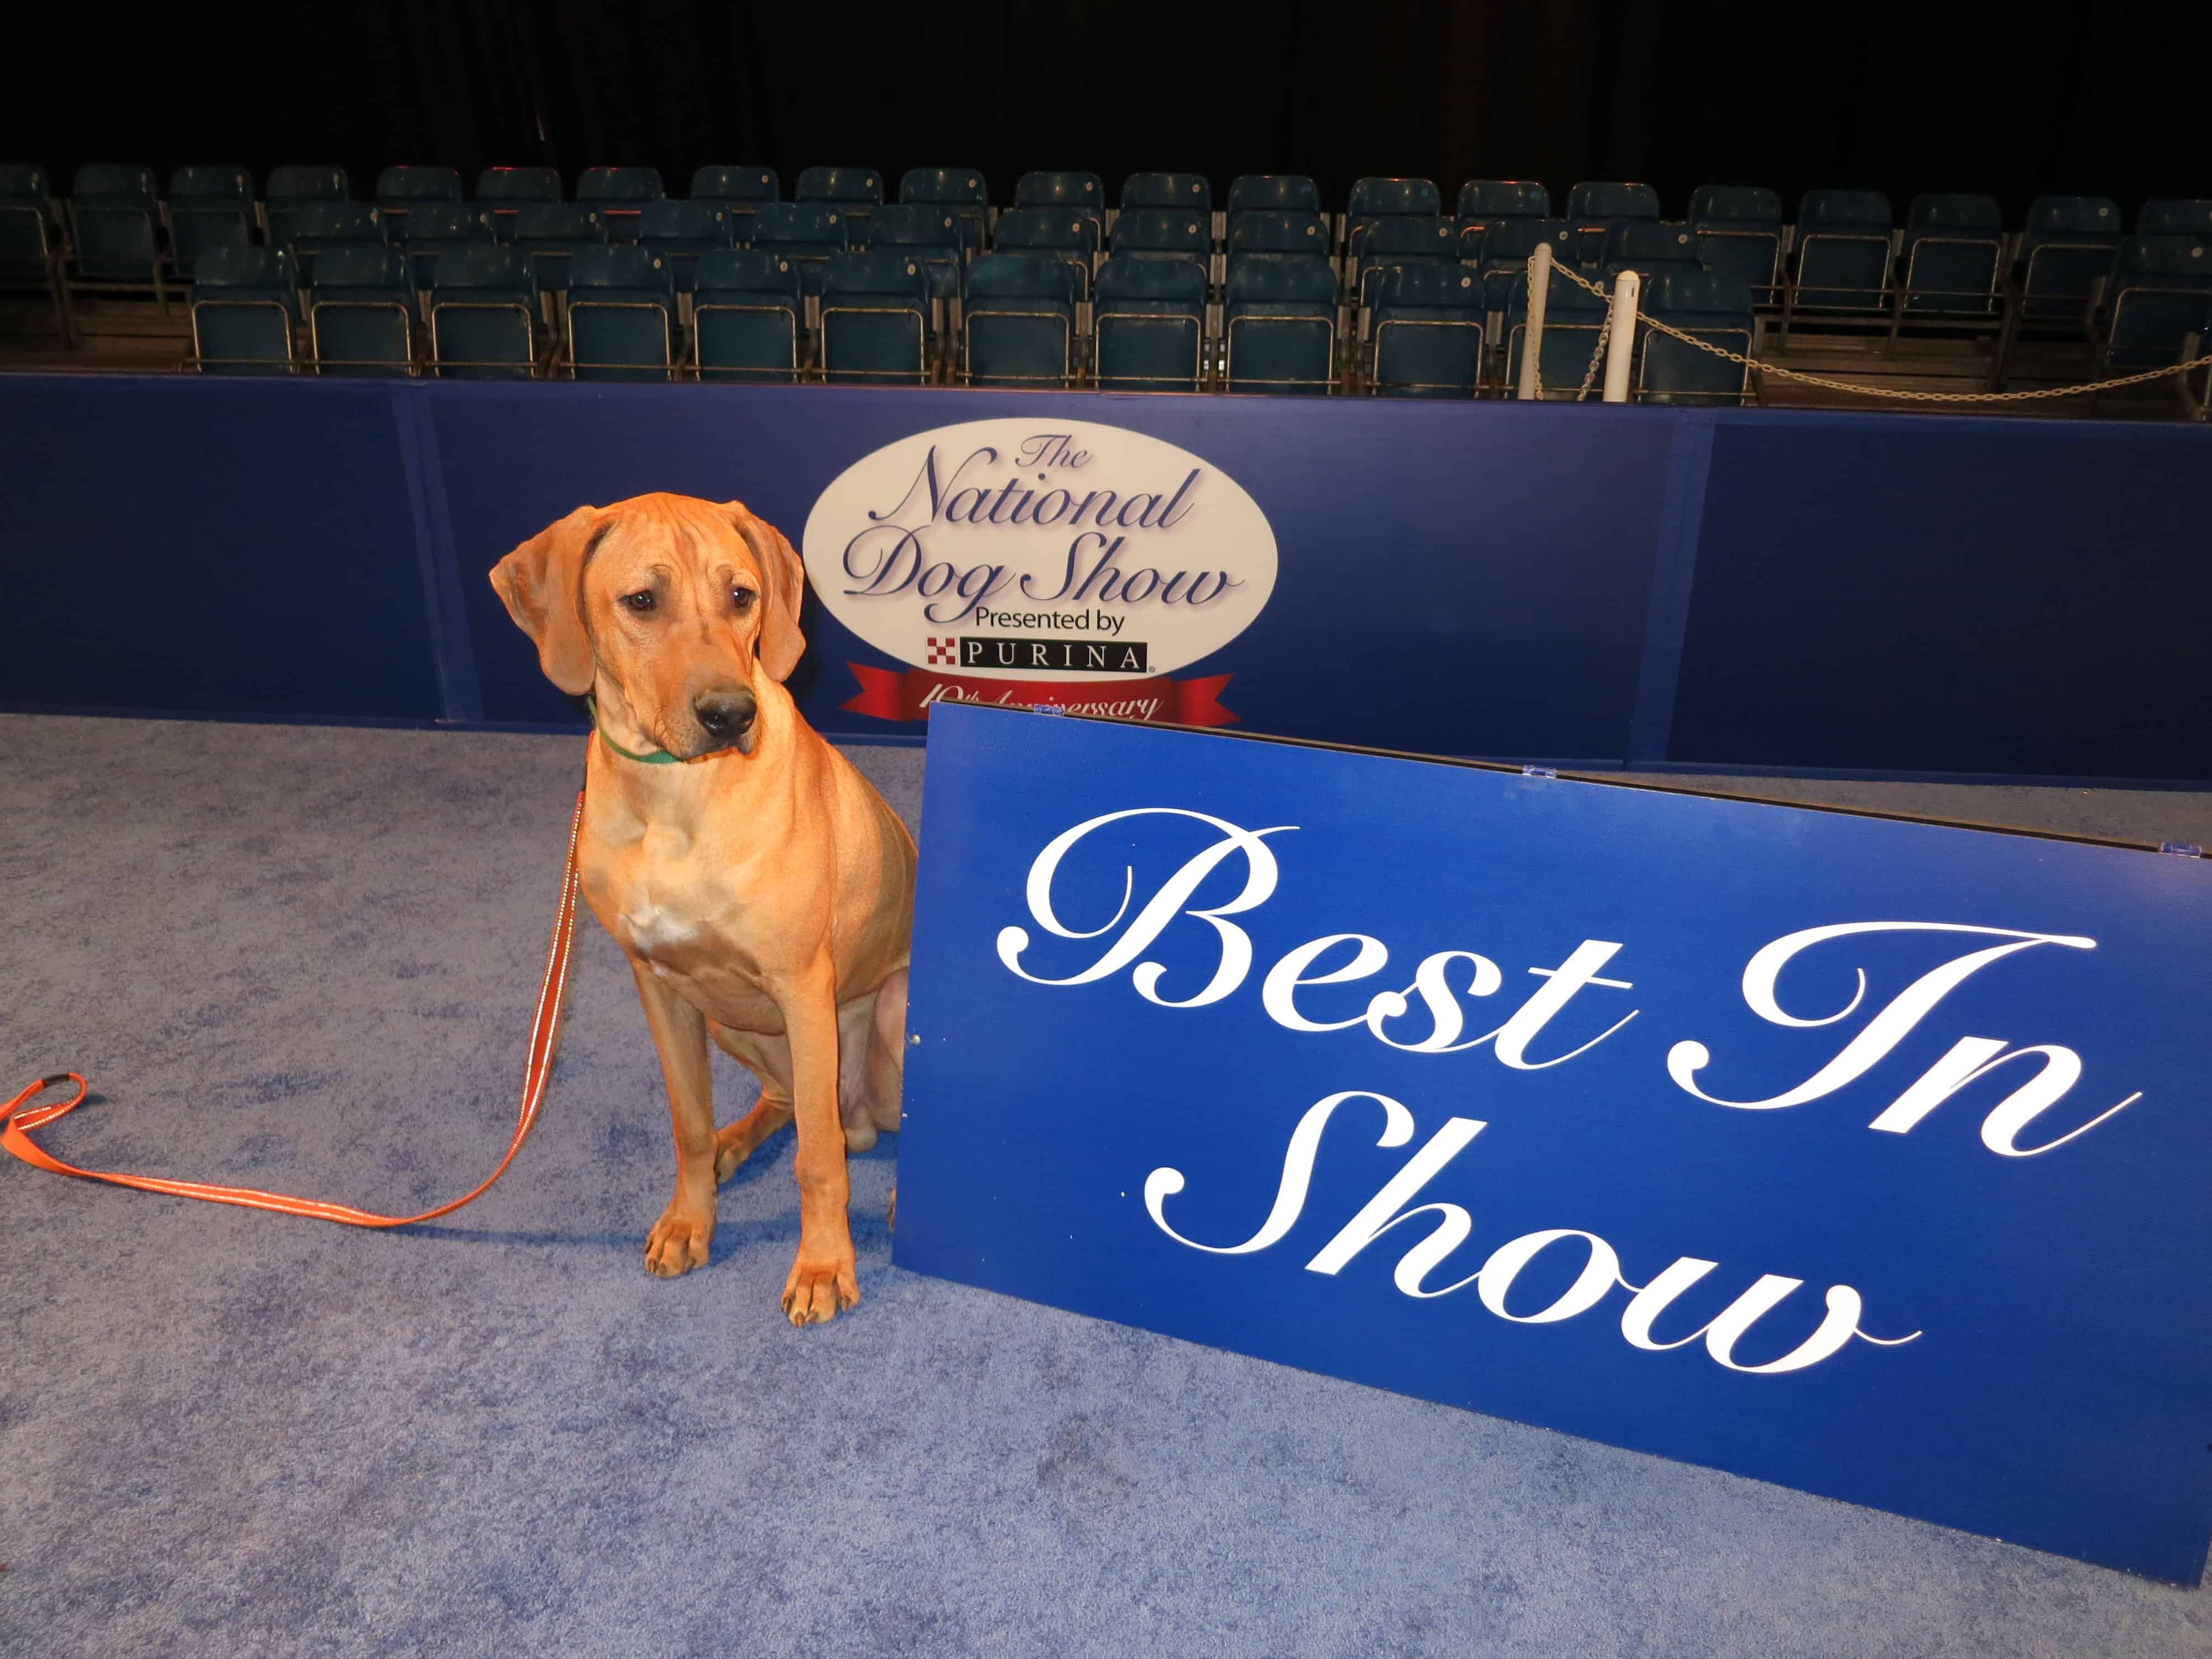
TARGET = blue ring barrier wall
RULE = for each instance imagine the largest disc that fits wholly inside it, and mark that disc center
(1703, 589)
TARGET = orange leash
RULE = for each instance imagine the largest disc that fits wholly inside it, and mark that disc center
(17, 1121)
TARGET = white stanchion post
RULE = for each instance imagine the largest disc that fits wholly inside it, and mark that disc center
(1532, 331)
(1620, 337)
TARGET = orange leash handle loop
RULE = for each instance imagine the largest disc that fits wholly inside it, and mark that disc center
(18, 1118)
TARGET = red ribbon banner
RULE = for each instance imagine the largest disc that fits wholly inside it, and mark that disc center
(890, 695)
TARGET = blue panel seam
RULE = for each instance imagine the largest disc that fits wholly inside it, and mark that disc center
(1682, 519)
(460, 691)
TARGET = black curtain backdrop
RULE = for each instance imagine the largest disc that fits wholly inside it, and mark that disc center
(2071, 97)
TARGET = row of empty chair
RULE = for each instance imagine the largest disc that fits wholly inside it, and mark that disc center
(1843, 259)
(745, 315)
(627, 311)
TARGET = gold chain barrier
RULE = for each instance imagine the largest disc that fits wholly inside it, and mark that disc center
(1753, 364)
(1597, 356)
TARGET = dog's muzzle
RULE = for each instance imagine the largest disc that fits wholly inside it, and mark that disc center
(727, 717)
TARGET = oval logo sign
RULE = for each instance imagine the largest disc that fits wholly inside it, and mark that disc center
(1038, 551)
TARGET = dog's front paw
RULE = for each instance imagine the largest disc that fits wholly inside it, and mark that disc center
(819, 1290)
(678, 1241)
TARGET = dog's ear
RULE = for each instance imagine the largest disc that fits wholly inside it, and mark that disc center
(783, 578)
(542, 585)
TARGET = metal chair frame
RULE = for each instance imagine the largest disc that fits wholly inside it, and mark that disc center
(1326, 324)
(199, 360)
(2044, 314)
(1083, 262)
(700, 370)
(208, 207)
(2197, 405)
(1375, 383)
(667, 366)
(315, 309)
(1368, 274)
(1981, 308)
(1198, 344)
(2120, 299)
(967, 375)
(50, 263)
(1553, 326)
(440, 362)
(1725, 337)
(2028, 295)
(81, 284)
(1768, 292)
(921, 369)
(1794, 287)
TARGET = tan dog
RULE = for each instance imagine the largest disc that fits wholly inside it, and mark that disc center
(762, 890)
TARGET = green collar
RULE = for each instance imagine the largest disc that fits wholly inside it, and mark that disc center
(657, 758)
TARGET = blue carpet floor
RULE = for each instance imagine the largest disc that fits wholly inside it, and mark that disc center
(304, 959)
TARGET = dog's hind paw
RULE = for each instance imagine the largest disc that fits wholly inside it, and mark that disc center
(678, 1242)
(736, 1142)
(817, 1293)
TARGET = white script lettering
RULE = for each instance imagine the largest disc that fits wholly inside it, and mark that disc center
(1968, 1060)
(1300, 968)
(1599, 1276)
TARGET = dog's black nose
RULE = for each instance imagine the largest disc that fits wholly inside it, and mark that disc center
(724, 713)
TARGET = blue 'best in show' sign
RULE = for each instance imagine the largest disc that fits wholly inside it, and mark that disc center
(1871, 1157)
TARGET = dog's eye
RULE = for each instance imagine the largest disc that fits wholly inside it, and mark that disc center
(742, 597)
(639, 601)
